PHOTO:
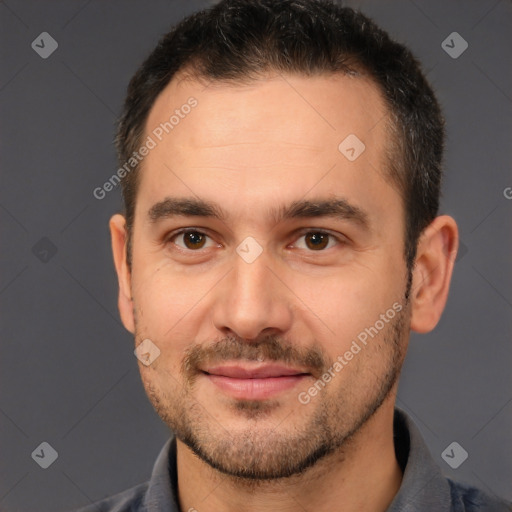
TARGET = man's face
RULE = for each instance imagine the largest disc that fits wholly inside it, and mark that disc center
(247, 336)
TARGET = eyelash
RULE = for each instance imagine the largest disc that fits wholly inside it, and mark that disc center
(172, 236)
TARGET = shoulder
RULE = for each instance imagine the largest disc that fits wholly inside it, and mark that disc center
(129, 500)
(158, 493)
(466, 498)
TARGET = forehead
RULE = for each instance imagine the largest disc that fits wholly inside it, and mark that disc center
(316, 106)
(276, 137)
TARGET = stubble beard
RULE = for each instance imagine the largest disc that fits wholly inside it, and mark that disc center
(254, 454)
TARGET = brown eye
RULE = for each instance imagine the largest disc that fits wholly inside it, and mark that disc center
(317, 241)
(194, 240)
(190, 240)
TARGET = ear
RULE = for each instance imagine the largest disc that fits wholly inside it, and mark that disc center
(435, 258)
(119, 239)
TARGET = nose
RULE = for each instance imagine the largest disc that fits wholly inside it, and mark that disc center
(252, 301)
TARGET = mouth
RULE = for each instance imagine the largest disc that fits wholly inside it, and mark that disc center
(254, 383)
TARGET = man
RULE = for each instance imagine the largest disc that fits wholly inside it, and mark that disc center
(281, 167)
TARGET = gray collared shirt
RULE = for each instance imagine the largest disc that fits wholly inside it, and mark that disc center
(423, 489)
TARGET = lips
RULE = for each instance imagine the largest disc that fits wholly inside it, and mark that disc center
(262, 372)
(254, 383)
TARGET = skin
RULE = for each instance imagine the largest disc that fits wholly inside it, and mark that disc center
(249, 148)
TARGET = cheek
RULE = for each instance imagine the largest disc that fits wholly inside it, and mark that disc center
(162, 303)
(339, 307)
(171, 309)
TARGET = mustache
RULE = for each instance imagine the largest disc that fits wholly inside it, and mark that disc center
(269, 348)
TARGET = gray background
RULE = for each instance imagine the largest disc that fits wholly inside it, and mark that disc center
(68, 375)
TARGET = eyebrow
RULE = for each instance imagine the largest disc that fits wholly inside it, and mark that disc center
(338, 208)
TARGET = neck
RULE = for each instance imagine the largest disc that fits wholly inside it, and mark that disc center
(362, 475)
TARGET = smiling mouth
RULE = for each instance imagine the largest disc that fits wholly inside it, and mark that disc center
(256, 383)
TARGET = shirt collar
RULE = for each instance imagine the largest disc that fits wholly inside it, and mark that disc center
(424, 487)
(161, 494)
